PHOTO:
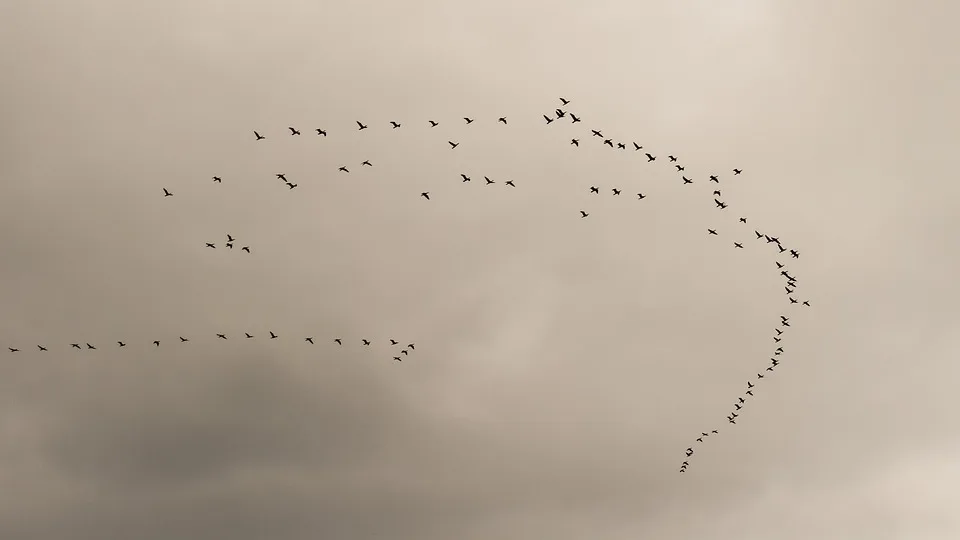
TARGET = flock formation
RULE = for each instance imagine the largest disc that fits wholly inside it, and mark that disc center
(739, 232)
(401, 352)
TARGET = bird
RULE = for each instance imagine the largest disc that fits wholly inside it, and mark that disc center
(41, 347)
(759, 375)
(795, 254)
(184, 340)
(594, 189)
(574, 118)
(217, 179)
(246, 248)
(465, 177)
(293, 131)
(361, 125)
(89, 346)
(367, 163)
(792, 300)
(289, 185)
(742, 400)
(321, 132)
(564, 101)
(743, 220)
(398, 359)
(596, 133)
(641, 196)
(510, 183)
(575, 142)
(779, 331)
(13, 350)
(713, 178)
(453, 144)
(650, 158)
(282, 177)
(259, 136)
(248, 335)
(432, 123)
(502, 119)
(672, 158)
(229, 238)
(711, 231)
(616, 191)
(806, 303)
(699, 439)
(209, 245)
(157, 343)
(309, 340)
(425, 195)
(679, 168)
(547, 118)
(344, 169)
(410, 345)
(749, 384)
(167, 193)
(366, 342)
(737, 171)
(405, 352)
(621, 146)
(338, 341)
(489, 181)
(759, 236)
(221, 336)
(394, 342)
(738, 245)
(608, 142)
(749, 392)
(468, 120)
(394, 124)
(272, 335)
(636, 146)
(717, 193)
(686, 180)
(719, 204)
(560, 113)
(583, 214)
(714, 431)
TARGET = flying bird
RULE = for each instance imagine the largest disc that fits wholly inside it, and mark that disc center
(157, 343)
(217, 179)
(641, 196)
(338, 341)
(167, 193)
(575, 142)
(686, 180)
(713, 178)
(361, 125)
(289, 185)
(425, 195)
(221, 336)
(281, 176)
(248, 335)
(246, 248)
(184, 340)
(410, 345)
(366, 342)
(547, 118)
(273, 336)
(597, 133)
(321, 132)
(309, 340)
(795, 253)
(806, 303)
(209, 245)
(679, 168)
(453, 144)
(711, 231)
(468, 120)
(502, 119)
(394, 124)
(636, 146)
(42, 348)
(616, 191)
(394, 342)
(465, 177)
(583, 214)
(650, 158)
(259, 136)
(489, 181)
(344, 169)
(671, 158)
(743, 220)
(564, 101)
(397, 358)
(594, 189)
(608, 142)
(432, 123)
(367, 163)
(510, 183)
(13, 350)
(89, 346)
(737, 171)
(738, 245)
(574, 118)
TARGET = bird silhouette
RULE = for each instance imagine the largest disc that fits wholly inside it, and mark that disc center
(425, 195)
(583, 214)
(686, 180)
(89, 346)
(596, 133)
(282, 177)
(167, 193)
(362, 127)
(259, 136)
(394, 124)
(367, 163)
(650, 157)
(738, 245)
(737, 171)
(641, 196)
(273, 336)
(671, 158)
(468, 120)
(184, 340)
(405, 352)
(547, 118)
(394, 342)
(221, 336)
(397, 358)
(575, 142)
(410, 346)
(248, 335)
(453, 144)
(246, 248)
(574, 118)
(608, 142)
(338, 341)
(743, 220)
(432, 123)
(510, 183)
(489, 181)
(564, 101)
(465, 177)
(293, 131)
(636, 147)
(41, 347)
(806, 303)
(711, 231)
(616, 191)
(502, 119)
(344, 169)
(321, 132)
(209, 245)
(309, 340)
(713, 178)
(13, 350)
(679, 168)
(157, 343)
(217, 180)
(366, 342)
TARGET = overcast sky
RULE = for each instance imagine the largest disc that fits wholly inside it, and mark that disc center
(562, 364)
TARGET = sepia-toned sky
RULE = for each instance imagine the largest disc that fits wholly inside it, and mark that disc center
(562, 364)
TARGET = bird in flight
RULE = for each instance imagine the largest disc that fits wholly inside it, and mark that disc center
(806, 303)
(650, 158)
(245, 248)
(596, 133)
(394, 342)
(367, 163)
(309, 340)
(272, 335)
(167, 193)
(293, 131)
(795, 253)
(720, 204)
(583, 214)
(574, 118)
(711, 231)
(510, 183)
(89, 346)
(394, 124)
(713, 178)
(425, 195)
(229, 238)
(184, 340)
(289, 185)
(344, 169)
(743, 220)
(489, 181)
(13, 350)
(717, 193)
(281, 177)
(547, 118)
(671, 158)
(410, 345)
(575, 142)
(792, 300)
(641, 196)
(397, 358)
(564, 101)
(366, 342)
(502, 119)
(679, 168)
(432, 123)
(594, 189)
(737, 171)
(157, 343)
(217, 180)
(77, 345)
(321, 132)
(209, 245)
(248, 335)
(468, 120)
(686, 180)
(362, 127)
(453, 144)
(405, 352)
(465, 177)
(616, 191)
(41, 347)
(621, 146)
(259, 136)
(608, 142)
(560, 113)
(221, 336)
(338, 341)
(738, 245)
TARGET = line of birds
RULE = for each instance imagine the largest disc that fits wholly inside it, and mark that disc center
(229, 244)
(405, 350)
(680, 169)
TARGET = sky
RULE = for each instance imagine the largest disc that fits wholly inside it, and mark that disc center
(562, 364)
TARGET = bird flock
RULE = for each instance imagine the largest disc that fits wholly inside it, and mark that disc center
(401, 352)
(740, 234)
